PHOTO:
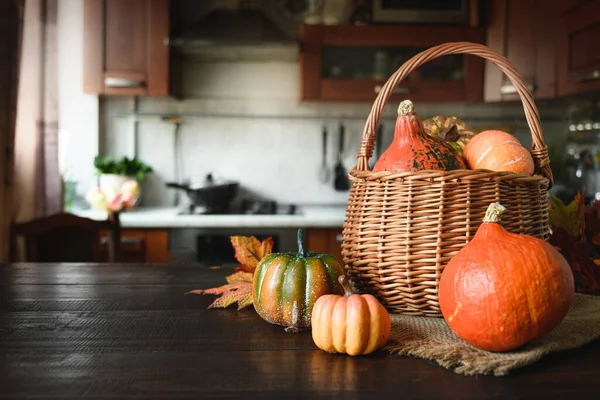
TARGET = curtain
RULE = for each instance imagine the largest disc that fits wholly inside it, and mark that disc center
(37, 182)
(11, 18)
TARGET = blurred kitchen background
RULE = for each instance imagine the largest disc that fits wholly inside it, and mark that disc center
(243, 91)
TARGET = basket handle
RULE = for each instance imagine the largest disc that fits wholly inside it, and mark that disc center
(539, 150)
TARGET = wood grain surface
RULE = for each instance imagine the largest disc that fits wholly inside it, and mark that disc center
(73, 331)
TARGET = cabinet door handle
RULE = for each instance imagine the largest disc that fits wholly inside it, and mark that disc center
(398, 90)
(590, 76)
(511, 89)
(115, 82)
(339, 238)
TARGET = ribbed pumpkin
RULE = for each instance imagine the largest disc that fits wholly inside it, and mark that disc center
(286, 285)
(503, 290)
(353, 324)
(498, 151)
(414, 150)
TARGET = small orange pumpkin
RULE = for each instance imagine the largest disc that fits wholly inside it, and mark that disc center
(353, 324)
(502, 289)
(498, 151)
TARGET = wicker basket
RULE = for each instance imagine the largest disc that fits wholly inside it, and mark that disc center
(401, 228)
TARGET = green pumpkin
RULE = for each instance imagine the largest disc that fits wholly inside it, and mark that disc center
(287, 285)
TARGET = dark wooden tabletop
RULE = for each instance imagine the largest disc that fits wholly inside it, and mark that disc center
(71, 331)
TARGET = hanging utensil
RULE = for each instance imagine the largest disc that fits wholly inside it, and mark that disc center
(341, 181)
(324, 173)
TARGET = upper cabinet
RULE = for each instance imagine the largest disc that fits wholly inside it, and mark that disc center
(126, 49)
(568, 5)
(579, 47)
(351, 63)
(525, 32)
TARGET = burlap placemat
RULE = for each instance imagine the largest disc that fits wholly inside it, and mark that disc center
(432, 339)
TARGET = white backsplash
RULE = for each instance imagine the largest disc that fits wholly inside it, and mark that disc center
(244, 122)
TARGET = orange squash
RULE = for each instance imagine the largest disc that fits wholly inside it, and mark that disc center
(414, 150)
(503, 290)
(353, 324)
(498, 151)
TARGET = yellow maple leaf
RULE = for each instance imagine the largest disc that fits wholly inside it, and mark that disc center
(238, 289)
(249, 251)
(242, 295)
(568, 217)
(239, 277)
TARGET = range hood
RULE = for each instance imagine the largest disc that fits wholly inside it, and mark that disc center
(236, 35)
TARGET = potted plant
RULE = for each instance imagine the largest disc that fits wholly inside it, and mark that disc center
(119, 181)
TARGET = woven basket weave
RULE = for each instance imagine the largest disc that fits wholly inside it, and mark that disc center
(401, 228)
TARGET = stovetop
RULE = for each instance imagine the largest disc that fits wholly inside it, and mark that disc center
(246, 207)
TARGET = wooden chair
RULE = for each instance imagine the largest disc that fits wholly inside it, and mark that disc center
(68, 238)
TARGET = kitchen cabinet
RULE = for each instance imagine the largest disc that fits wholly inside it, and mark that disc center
(144, 245)
(567, 5)
(579, 48)
(525, 32)
(126, 48)
(351, 63)
(325, 240)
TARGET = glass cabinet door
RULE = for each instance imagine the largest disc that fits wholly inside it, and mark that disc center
(352, 63)
(378, 63)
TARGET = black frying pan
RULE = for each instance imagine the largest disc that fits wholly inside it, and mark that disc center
(216, 198)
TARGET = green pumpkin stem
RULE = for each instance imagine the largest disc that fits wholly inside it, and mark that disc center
(301, 251)
(494, 213)
(344, 282)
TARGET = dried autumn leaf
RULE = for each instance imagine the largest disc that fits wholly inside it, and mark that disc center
(567, 217)
(249, 251)
(581, 256)
(238, 289)
(572, 237)
(242, 294)
(592, 222)
(239, 277)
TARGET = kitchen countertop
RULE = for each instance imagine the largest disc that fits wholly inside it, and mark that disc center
(324, 216)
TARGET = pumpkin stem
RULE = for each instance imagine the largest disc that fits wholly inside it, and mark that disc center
(494, 213)
(301, 251)
(345, 285)
(406, 107)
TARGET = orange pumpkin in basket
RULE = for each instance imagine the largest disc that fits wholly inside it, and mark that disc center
(414, 150)
(498, 151)
(502, 289)
(353, 324)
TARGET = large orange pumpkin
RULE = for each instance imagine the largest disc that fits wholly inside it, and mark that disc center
(502, 289)
(498, 151)
(414, 150)
(353, 324)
